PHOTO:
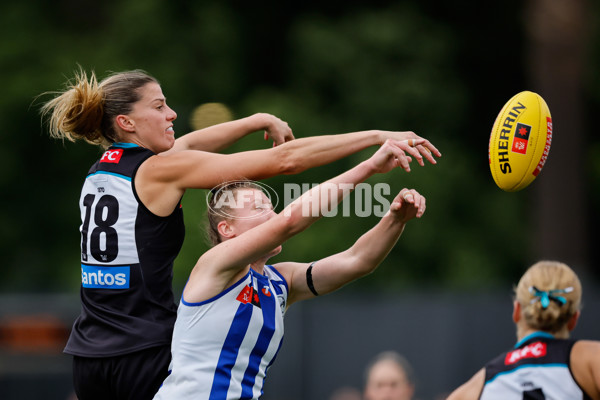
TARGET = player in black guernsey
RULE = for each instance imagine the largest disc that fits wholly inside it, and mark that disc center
(132, 222)
(545, 363)
(126, 256)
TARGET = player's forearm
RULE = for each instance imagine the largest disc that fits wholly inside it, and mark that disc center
(373, 247)
(309, 152)
(333, 272)
(323, 198)
(218, 137)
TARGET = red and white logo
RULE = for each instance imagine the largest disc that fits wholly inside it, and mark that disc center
(544, 157)
(249, 295)
(533, 350)
(521, 138)
(112, 156)
(245, 295)
(266, 292)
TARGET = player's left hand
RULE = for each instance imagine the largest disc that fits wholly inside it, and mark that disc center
(407, 205)
(393, 154)
(422, 145)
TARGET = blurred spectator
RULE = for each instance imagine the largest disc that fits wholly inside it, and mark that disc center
(389, 376)
(346, 393)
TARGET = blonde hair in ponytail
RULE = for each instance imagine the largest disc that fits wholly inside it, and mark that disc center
(76, 113)
(549, 276)
(87, 109)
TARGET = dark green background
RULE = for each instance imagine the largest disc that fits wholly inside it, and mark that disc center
(441, 69)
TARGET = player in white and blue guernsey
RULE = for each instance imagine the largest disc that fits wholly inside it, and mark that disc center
(237, 335)
(545, 363)
(229, 324)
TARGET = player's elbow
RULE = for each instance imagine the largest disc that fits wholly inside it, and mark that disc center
(366, 269)
(360, 267)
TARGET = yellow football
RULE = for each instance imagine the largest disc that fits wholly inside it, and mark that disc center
(520, 141)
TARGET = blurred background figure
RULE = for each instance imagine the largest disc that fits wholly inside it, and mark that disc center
(389, 376)
(346, 393)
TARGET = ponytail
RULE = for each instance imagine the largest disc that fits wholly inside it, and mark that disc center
(87, 109)
(77, 112)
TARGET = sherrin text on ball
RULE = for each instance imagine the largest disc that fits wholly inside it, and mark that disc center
(520, 141)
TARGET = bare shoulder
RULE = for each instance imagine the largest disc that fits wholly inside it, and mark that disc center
(287, 269)
(160, 167)
(589, 345)
(470, 390)
(185, 169)
(586, 352)
(294, 274)
(156, 182)
(585, 365)
(172, 162)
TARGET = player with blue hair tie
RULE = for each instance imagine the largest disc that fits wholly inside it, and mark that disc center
(544, 296)
(545, 363)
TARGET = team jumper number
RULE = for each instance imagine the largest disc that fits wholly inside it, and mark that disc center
(106, 214)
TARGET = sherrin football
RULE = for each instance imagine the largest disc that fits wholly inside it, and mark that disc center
(520, 141)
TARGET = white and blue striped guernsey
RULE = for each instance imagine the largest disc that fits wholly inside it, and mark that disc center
(222, 347)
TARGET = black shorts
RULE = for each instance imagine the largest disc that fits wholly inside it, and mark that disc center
(131, 376)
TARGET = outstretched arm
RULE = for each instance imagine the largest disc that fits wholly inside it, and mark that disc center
(216, 268)
(362, 258)
(218, 137)
(162, 180)
(305, 153)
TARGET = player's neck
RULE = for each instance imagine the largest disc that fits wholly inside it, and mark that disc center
(525, 332)
(259, 266)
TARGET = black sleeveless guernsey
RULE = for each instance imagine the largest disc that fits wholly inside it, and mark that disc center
(127, 256)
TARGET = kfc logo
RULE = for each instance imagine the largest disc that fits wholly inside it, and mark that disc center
(112, 156)
(533, 350)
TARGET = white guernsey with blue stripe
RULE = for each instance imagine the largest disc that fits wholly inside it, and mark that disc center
(222, 347)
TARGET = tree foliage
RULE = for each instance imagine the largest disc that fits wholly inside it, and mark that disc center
(390, 65)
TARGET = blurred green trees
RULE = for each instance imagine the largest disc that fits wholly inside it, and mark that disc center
(418, 66)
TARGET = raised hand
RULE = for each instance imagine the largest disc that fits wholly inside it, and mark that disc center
(408, 204)
(421, 145)
(393, 154)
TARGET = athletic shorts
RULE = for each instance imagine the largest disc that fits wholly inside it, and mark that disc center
(130, 376)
